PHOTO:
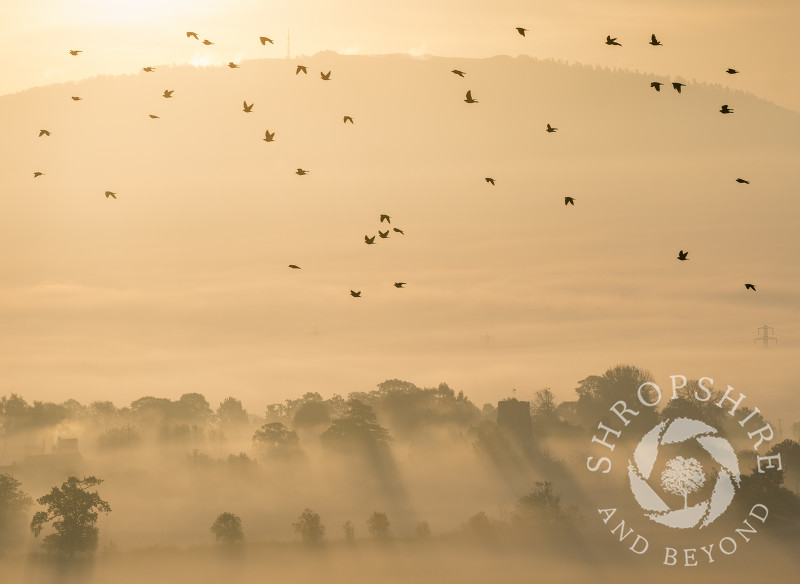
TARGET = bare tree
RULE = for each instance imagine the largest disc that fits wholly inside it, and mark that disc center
(683, 476)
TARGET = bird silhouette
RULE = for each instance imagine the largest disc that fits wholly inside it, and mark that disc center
(75, 53)
(44, 133)
(386, 218)
(656, 85)
(325, 76)
(269, 137)
(207, 42)
(265, 40)
(569, 201)
(192, 34)
(37, 174)
(383, 234)
(348, 119)
(677, 86)
(294, 267)
(247, 108)
(398, 230)
(654, 41)
(741, 180)
(750, 287)
(76, 98)
(551, 129)
(302, 68)
(682, 255)
(469, 98)
(355, 294)
(521, 30)
(731, 71)
(233, 65)
(612, 42)
(301, 172)
(489, 180)
(399, 284)
(168, 93)
(726, 110)
(369, 240)
(148, 69)
(457, 72)
(153, 116)
(110, 194)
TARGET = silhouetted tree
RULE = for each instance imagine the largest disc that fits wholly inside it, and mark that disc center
(231, 414)
(227, 529)
(73, 509)
(349, 531)
(276, 439)
(309, 526)
(104, 413)
(192, 409)
(358, 428)
(378, 525)
(13, 505)
(423, 530)
(125, 437)
(542, 506)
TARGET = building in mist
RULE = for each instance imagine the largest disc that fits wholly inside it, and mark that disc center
(514, 421)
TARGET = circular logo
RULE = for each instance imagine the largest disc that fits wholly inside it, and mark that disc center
(683, 476)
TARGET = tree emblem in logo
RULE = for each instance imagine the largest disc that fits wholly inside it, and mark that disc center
(683, 476)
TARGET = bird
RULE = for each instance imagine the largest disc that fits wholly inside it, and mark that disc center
(654, 41)
(74, 53)
(369, 240)
(44, 133)
(265, 40)
(207, 42)
(302, 68)
(726, 110)
(398, 230)
(247, 108)
(469, 98)
(148, 69)
(233, 65)
(569, 201)
(399, 284)
(348, 119)
(731, 71)
(269, 137)
(551, 128)
(76, 98)
(111, 194)
(457, 72)
(682, 255)
(383, 234)
(301, 172)
(656, 85)
(677, 86)
(168, 92)
(521, 30)
(325, 76)
(612, 42)
(386, 218)
(750, 287)
(153, 116)
(192, 34)
(294, 267)
(355, 294)
(489, 179)
(741, 180)
(37, 174)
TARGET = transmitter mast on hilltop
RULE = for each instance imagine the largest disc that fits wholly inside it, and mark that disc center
(765, 338)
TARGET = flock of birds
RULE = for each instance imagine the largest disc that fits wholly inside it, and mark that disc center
(326, 76)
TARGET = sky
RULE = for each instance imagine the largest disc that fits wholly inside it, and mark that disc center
(181, 283)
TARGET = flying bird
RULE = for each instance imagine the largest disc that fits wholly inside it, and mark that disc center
(399, 284)
(110, 194)
(750, 287)
(168, 92)
(247, 108)
(654, 41)
(741, 180)
(192, 34)
(656, 85)
(398, 230)
(153, 116)
(269, 137)
(75, 98)
(148, 69)
(355, 294)
(294, 267)
(302, 68)
(612, 42)
(731, 71)
(233, 65)
(301, 172)
(369, 240)
(386, 218)
(457, 72)
(348, 119)
(677, 86)
(75, 53)
(469, 98)
(569, 201)
(325, 76)
(682, 255)
(726, 110)
(44, 133)
(383, 234)
(37, 174)
(489, 180)
(521, 30)
(551, 128)
(265, 40)
(207, 42)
